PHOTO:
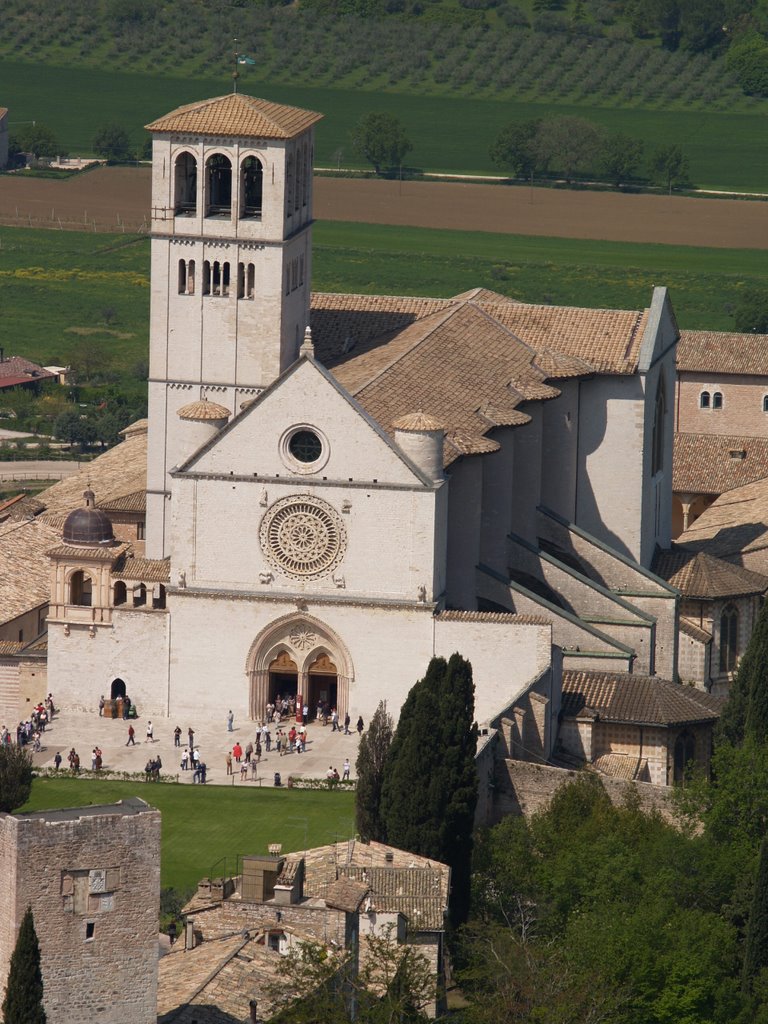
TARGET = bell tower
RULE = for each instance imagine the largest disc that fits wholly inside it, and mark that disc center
(231, 266)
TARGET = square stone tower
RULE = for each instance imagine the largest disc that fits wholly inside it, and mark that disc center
(231, 266)
(92, 878)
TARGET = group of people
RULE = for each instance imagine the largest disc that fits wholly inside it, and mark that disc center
(333, 773)
(152, 769)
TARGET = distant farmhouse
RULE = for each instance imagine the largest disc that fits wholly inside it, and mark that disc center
(17, 372)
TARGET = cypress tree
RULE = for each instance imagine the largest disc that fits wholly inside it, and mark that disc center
(23, 1003)
(430, 781)
(369, 767)
(756, 948)
(746, 713)
(15, 777)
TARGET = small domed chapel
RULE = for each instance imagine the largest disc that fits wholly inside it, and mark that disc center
(339, 487)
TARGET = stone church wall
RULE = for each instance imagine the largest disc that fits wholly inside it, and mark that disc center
(742, 410)
(47, 863)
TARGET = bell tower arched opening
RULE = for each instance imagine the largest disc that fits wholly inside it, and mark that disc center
(218, 186)
(251, 187)
(185, 185)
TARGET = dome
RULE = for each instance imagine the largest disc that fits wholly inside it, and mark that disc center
(202, 411)
(417, 421)
(88, 526)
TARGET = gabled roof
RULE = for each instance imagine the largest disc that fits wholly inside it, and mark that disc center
(237, 115)
(148, 570)
(713, 463)
(25, 572)
(16, 369)
(693, 630)
(119, 472)
(699, 575)
(636, 700)
(722, 352)
(735, 527)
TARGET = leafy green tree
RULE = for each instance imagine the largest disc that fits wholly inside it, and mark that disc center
(37, 139)
(371, 758)
(747, 58)
(620, 157)
(73, 427)
(751, 313)
(669, 167)
(15, 777)
(569, 144)
(111, 142)
(381, 140)
(430, 780)
(23, 1003)
(746, 712)
(756, 949)
(516, 150)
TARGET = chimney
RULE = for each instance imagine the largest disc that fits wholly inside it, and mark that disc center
(189, 934)
(252, 1007)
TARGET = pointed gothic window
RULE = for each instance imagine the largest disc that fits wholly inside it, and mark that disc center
(729, 636)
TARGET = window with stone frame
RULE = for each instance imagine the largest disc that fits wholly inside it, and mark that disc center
(659, 414)
(704, 400)
(729, 636)
(717, 400)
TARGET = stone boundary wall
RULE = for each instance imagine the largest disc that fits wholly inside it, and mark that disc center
(523, 788)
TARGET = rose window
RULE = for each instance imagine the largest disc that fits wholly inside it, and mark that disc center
(302, 537)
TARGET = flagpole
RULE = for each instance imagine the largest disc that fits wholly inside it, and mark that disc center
(235, 72)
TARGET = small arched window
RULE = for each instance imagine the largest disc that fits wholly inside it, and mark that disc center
(80, 589)
(729, 636)
(704, 400)
(140, 596)
(219, 186)
(765, 403)
(717, 400)
(251, 188)
(119, 593)
(185, 185)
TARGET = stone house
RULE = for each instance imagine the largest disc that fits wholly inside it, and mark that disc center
(719, 608)
(92, 878)
(333, 895)
(637, 728)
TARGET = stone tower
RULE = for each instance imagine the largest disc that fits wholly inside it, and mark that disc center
(231, 267)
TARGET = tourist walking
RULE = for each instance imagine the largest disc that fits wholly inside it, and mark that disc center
(150, 733)
(131, 737)
(346, 725)
(228, 760)
(345, 773)
(177, 736)
(360, 726)
(57, 760)
(230, 720)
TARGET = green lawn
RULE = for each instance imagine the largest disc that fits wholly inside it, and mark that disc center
(55, 284)
(726, 150)
(205, 828)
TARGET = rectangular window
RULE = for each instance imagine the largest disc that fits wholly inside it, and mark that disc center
(225, 279)
(140, 527)
(240, 280)
(90, 928)
(182, 277)
(207, 277)
(251, 280)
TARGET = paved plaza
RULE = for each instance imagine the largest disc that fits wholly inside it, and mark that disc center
(86, 730)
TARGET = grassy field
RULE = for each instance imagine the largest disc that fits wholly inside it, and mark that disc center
(452, 134)
(203, 827)
(56, 286)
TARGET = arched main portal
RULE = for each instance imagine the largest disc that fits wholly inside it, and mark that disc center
(301, 652)
(117, 689)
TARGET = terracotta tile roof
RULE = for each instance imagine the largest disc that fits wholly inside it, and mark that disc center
(638, 700)
(10, 647)
(214, 982)
(735, 527)
(25, 572)
(346, 893)
(621, 766)
(511, 617)
(237, 114)
(102, 554)
(412, 885)
(136, 502)
(149, 570)
(20, 369)
(22, 506)
(697, 574)
(119, 472)
(447, 364)
(721, 352)
(703, 463)
(694, 630)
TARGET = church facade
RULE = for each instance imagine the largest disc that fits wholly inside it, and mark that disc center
(340, 487)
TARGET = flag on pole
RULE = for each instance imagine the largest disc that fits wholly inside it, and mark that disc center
(242, 59)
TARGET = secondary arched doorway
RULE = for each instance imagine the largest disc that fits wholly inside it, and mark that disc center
(117, 689)
(299, 655)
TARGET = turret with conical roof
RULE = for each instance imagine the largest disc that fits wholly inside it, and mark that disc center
(231, 266)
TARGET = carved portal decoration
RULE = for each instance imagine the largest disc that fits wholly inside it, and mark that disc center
(303, 537)
(302, 638)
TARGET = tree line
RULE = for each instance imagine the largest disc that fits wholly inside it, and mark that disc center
(575, 147)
